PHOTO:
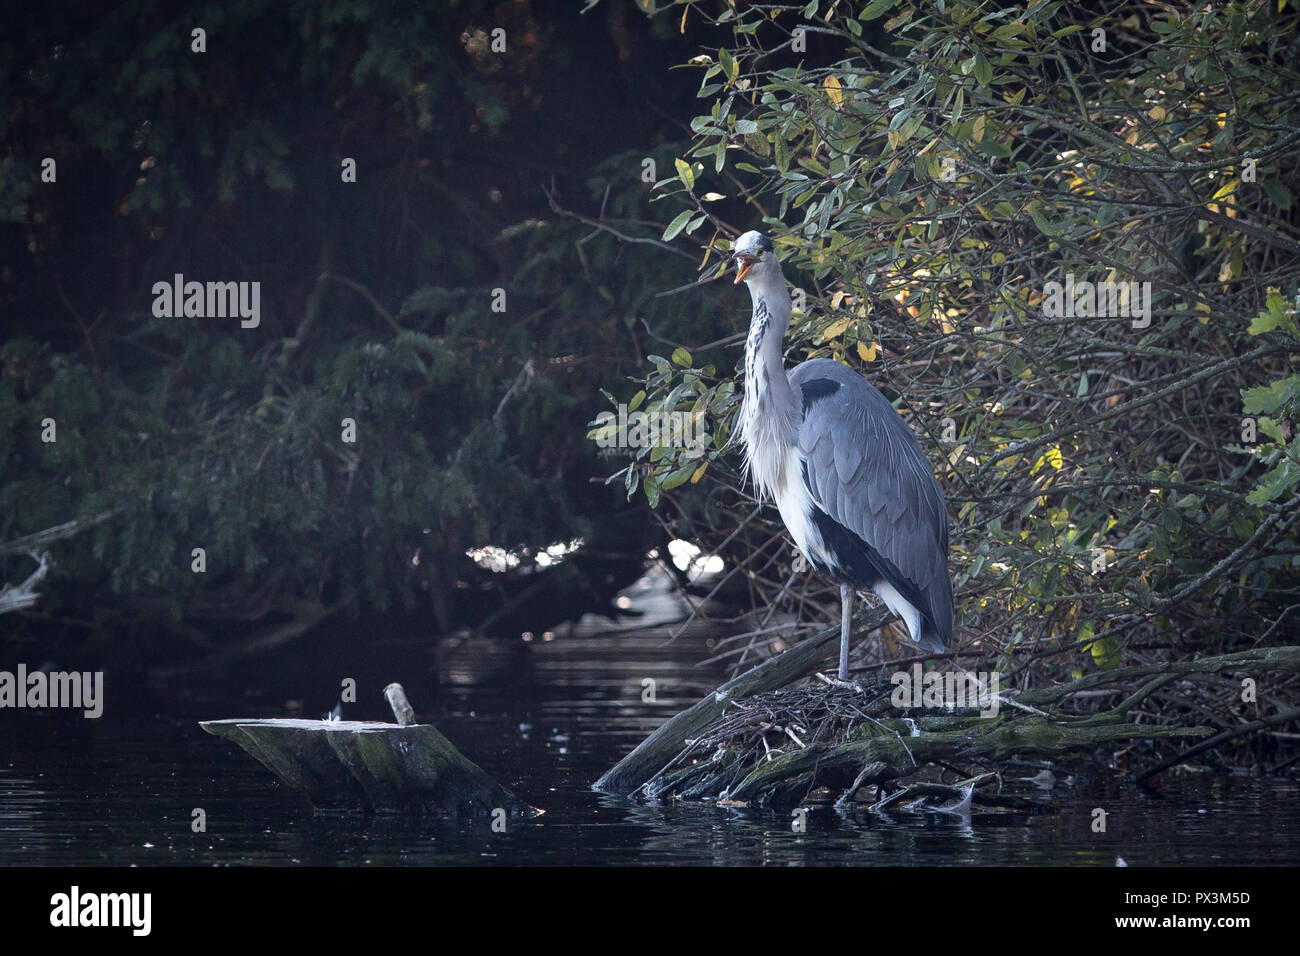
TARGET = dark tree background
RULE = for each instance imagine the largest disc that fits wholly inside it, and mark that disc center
(1117, 492)
(1120, 490)
(376, 303)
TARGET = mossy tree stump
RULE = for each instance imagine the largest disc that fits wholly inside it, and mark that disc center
(370, 765)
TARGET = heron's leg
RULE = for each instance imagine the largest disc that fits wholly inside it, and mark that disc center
(846, 615)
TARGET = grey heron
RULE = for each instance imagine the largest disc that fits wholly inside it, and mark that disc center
(852, 485)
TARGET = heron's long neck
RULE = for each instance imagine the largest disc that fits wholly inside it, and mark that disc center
(770, 414)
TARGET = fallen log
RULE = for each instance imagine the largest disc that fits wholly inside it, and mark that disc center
(894, 756)
(20, 597)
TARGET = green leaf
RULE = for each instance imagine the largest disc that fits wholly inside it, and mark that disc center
(1276, 315)
(681, 357)
(908, 129)
(678, 224)
(1086, 631)
(652, 491)
(1270, 428)
(1045, 227)
(1269, 398)
(1278, 192)
(678, 477)
(1271, 321)
(1276, 483)
(876, 8)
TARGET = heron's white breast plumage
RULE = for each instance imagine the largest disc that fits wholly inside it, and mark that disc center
(795, 505)
(777, 472)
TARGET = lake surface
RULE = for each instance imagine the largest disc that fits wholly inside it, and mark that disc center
(545, 717)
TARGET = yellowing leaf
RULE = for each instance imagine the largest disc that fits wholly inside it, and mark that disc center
(1157, 113)
(977, 131)
(699, 472)
(867, 352)
(1050, 457)
(836, 329)
(833, 88)
(1227, 189)
(685, 173)
(730, 66)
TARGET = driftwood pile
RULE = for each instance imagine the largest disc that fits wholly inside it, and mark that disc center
(759, 742)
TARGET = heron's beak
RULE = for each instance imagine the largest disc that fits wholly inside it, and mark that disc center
(743, 265)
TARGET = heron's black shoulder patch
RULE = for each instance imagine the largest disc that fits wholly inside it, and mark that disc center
(815, 390)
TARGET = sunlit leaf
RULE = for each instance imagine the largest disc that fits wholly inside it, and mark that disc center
(833, 90)
(836, 329)
(685, 173)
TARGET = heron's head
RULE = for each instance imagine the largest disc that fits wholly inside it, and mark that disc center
(754, 254)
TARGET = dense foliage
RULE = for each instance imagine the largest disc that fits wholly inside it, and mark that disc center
(436, 302)
(928, 171)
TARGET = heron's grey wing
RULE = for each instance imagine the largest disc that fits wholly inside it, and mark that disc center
(864, 468)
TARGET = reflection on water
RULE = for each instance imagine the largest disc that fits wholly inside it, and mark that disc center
(546, 718)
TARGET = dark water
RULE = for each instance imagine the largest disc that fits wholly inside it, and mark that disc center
(546, 718)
